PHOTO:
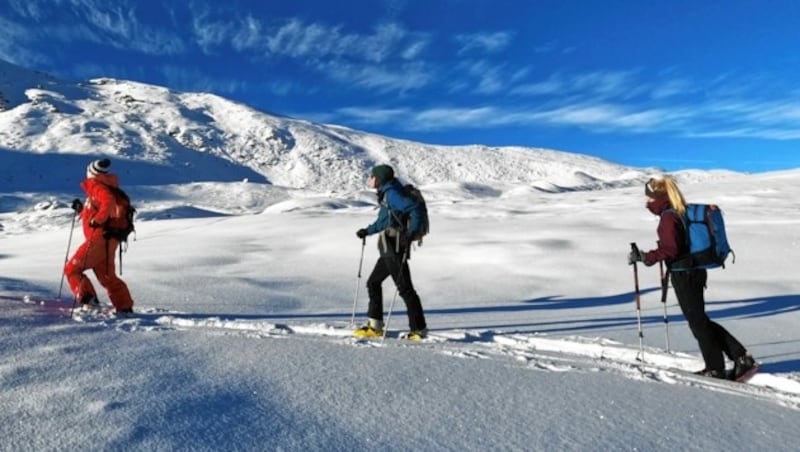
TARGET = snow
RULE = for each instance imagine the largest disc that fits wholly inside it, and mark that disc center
(244, 271)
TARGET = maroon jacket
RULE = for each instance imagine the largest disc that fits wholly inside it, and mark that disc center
(671, 234)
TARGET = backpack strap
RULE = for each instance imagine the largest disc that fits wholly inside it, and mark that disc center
(684, 223)
(686, 241)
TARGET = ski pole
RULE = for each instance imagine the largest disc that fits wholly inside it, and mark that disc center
(358, 281)
(664, 287)
(66, 258)
(389, 315)
(396, 290)
(635, 249)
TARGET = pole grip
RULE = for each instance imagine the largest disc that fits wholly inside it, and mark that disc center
(634, 248)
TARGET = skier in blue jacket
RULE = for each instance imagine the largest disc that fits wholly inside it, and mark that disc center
(398, 221)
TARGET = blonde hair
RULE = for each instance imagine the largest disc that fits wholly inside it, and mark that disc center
(666, 185)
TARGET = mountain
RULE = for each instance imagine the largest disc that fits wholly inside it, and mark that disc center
(242, 334)
(165, 136)
(197, 154)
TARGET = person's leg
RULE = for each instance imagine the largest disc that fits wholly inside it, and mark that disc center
(401, 273)
(689, 287)
(730, 345)
(106, 273)
(80, 285)
(379, 273)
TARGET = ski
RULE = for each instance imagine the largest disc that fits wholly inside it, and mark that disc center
(100, 313)
(747, 376)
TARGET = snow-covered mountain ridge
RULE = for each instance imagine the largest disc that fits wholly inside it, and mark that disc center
(196, 154)
(204, 137)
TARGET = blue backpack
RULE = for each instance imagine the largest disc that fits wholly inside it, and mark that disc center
(708, 241)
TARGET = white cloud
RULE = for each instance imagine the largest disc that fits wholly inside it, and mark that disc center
(101, 22)
(14, 48)
(672, 88)
(453, 117)
(248, 35)
(599, 117)
(547, 87)
(594, 85)
(297, 39)
(122, 29)
(489, 76)
(605, 83)
(484, 42)
(193, 80)
(415, 49)
(210, 34)
(384, 78)
(383, 44)
(27, 8)
(375, 115)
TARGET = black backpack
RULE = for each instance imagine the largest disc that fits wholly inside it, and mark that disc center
(420, 210)
(120, 223)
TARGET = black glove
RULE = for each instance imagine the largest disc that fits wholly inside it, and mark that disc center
(94, 224)
(361, 233)
(77, 205)
(635, 256)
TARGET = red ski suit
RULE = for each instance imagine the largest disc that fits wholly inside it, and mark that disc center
(97, 253)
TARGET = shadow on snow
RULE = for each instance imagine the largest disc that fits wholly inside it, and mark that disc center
(718, 311)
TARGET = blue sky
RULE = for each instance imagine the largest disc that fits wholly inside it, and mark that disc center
(673, 84)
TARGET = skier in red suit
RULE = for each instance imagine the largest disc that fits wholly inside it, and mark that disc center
(98, 250)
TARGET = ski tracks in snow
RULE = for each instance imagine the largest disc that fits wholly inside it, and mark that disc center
(534, 351)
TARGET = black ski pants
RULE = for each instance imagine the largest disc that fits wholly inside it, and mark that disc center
(713, 339)
(394, 266)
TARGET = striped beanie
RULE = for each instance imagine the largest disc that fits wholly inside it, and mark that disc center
(98, 167)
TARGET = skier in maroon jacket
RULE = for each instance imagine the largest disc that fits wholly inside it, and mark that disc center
(665, 200)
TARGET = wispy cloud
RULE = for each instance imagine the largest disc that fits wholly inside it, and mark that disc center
(298, 39)
(595, 84)
(486, 77)
(375, 115)
(28, 8)
(542, 88)
(672, 88)
(121, 28)
(383, 78)
(454, 117)
(612, 116)
(115, 24)
(602, 102)
(15, 48)
(491, 42)
(738, 118)
(195, 80)
(210, 34)
(304, 41)
(597, 116)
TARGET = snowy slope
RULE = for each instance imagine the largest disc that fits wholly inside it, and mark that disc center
(176, 151)
(244, 272)
(173, 137)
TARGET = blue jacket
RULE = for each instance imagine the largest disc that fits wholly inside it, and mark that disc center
(395, 207)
